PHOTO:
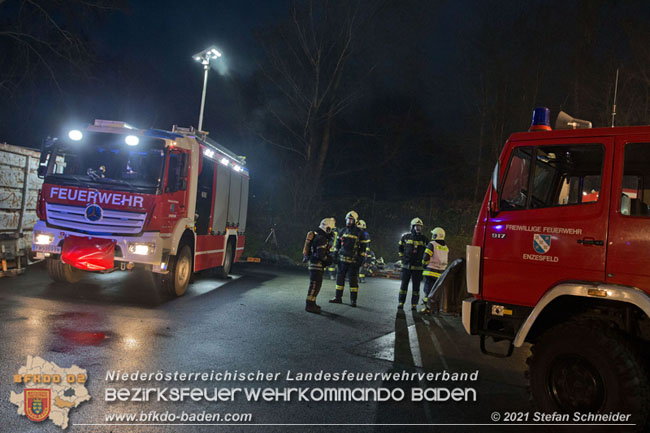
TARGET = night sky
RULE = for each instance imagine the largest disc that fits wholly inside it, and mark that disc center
(143, 72)
(428, 86)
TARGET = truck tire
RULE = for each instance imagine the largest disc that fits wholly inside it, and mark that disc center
(175, 282)
(63, 272)
(229, 258)
(586, 366)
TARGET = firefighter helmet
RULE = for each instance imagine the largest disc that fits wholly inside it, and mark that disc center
(416, 222)
(361, 224)
(327, 225)
(352, 214)
(438, 233)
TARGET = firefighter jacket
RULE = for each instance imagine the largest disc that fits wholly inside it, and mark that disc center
(366, 242)
(435, 258)
(319, 256)
(411, 250)
(350, 246)
(370, 258)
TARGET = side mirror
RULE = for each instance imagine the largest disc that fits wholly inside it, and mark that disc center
(493, 203)
(42, 171)
(495, 178)
(177, 177)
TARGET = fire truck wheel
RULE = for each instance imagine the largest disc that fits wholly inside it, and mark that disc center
(224, 271)
(63, 272)
(586, 366)
(175, 282)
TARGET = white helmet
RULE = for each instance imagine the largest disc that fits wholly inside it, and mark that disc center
(416, 222)
(327, 225)
(352, 214)
(361, 224)
(438, 233)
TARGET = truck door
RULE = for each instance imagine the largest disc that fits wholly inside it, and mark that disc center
(551, 222)
(175, 192)
(628, 248)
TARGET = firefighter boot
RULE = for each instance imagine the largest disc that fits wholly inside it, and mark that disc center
(311, 307)
(339, 294)
(400, 306)
(354, 291)
(425, 304)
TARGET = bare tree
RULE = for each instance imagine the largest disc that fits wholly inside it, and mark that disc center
(39, 37)
(307, 62)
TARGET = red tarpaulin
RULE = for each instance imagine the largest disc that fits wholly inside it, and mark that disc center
(90, 254)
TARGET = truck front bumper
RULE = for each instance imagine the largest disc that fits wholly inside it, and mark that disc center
(145, 249)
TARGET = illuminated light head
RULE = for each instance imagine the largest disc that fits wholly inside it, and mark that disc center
(75, 135)
(131, 140)
(541, 120)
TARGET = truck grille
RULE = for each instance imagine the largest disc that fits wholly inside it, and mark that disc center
(112, 221)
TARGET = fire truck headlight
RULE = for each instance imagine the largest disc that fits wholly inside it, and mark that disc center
(75, 135)
(141, 249)
(132, 140)
(43, 238)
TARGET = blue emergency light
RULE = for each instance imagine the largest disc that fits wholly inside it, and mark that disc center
(541, 119)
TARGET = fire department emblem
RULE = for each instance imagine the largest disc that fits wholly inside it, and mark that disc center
(93, 213)
(541, 243)
(37, 404)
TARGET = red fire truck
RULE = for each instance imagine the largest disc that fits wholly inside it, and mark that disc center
(560, 258)
(115, 196)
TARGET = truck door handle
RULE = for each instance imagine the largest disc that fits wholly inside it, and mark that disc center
(598, 243)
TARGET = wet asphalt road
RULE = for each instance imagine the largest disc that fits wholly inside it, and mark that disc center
(254, 321)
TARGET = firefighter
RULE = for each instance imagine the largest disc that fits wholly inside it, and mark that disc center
(411, 252)
(331, 269)
(369, 265)
(435, 262)
(349, 253)
(362, 271)
(317, 251)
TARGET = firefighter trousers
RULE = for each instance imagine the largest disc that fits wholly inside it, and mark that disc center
(352, 271)
(415, 276)
(315, 283)
(429, 282)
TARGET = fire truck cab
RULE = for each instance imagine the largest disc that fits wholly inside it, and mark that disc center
(560, 258)
(115, 196)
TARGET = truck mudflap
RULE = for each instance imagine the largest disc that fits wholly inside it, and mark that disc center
(89, 254)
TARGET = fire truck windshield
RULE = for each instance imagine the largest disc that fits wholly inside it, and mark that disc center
(106, 159)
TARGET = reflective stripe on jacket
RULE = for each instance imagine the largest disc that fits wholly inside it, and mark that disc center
(436, 256)
(350, 245)
(411, 250)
